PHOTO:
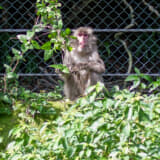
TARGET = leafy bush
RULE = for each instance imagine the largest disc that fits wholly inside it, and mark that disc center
(49, 18)
(122, 126)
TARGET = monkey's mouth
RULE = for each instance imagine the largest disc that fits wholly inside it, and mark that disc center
(82, 45)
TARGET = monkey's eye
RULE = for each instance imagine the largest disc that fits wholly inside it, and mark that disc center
(80, 34)
(85, 35)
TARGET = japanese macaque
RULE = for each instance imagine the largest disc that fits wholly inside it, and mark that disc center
(84, 63)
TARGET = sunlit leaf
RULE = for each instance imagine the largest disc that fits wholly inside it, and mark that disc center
(12, 75)
(5, 98)
(30, 34)
(1, 139)
(132, 78)
(61, 67)
(48, 54)
(98, 123)
(68, 31)
(126, 130)
(137, 70)
(46, 46)
(135, 84)
(69, 48)
(99, 87)
(22, 38)
(38, 28)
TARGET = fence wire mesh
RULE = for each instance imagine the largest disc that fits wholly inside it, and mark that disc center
(121, 26)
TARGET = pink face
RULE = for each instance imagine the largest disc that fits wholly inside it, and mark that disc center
(82, 39)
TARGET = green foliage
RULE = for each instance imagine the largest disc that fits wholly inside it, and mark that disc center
(122, 126)
(50, 19)
(61, 67)
(137, 80)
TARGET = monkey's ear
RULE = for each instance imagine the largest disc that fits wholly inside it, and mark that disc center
(89, 30)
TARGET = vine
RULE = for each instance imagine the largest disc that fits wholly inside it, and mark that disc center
(117, 36)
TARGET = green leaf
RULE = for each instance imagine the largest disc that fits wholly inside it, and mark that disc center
(30, 34)
(154, 85)
(17, 54)
(46, 46)
(147, 77)
(24, 48)
(69, 133)
(143, 116)
(135, 84)
(60, 24)
(130, 112)
(99, 87)
(137, 70)
(126, 130)
(107, 45)
(22, 38)
(8, 68)
(12, 75)
(69, 48)
(68, 31)
(97, 139)
(88, 152)
(64, 142)
(11, 145)
(73, 37)
(143, 86)
(52, 35)
(5, 98)
(48, 54)
(90, 89)
(57, 46)
(92, 97)
(38, 28)
(132, 78)
(35, 44)
(71, 151)
(98, 123)
(43, 128)
(1, 140)
(125, 133)
(15, 51)
(61, 67)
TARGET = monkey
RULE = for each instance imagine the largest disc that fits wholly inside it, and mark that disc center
(84, 63)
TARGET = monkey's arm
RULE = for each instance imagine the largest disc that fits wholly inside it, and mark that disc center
(68, 61)
(96, 64)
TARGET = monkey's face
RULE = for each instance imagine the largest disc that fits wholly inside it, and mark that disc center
(82, 38)
(83, 41)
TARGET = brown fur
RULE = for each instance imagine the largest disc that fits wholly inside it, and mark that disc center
(85, 65)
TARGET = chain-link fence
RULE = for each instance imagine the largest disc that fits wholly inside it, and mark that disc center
(123, 27)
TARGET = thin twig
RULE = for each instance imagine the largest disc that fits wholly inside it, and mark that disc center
(151, 8)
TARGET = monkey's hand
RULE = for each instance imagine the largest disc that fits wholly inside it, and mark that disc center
(78, 67)
(96, 66)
